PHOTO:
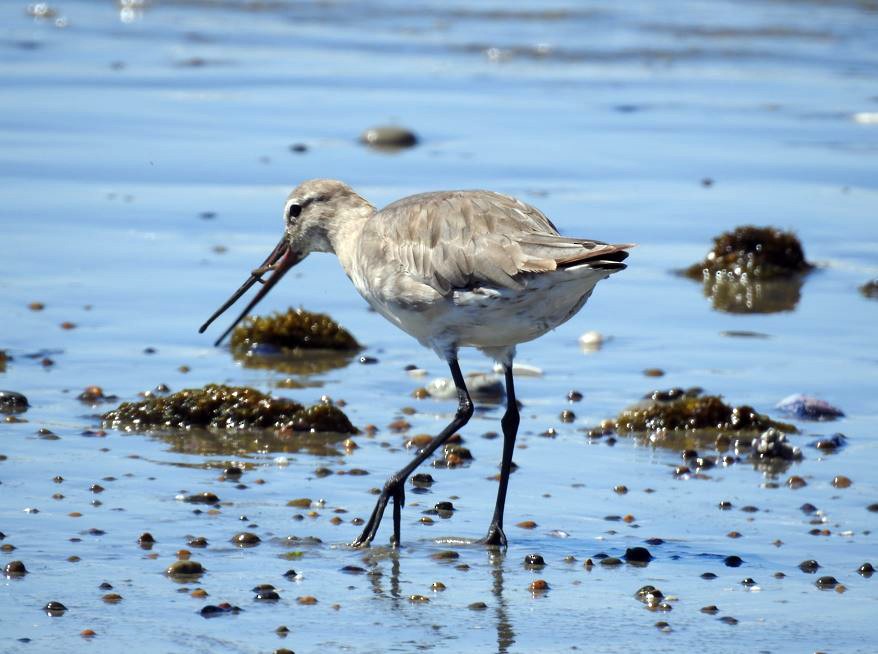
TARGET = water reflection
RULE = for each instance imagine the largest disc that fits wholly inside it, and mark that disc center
(734, 296)
(229, 443)
(296, 361)
(391, 589)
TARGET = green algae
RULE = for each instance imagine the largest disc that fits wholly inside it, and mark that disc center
(293, 329)
(681, 419)
(752, 252)
(219, 407)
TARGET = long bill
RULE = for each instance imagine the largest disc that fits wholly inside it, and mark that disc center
(281, 259)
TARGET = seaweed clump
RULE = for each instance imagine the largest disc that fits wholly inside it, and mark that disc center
(292, 329)
(680, 419)
(226, 408)
(753, 270)
(3, 359)
(753, 252)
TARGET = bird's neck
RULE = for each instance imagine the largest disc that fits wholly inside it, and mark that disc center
(344, 235)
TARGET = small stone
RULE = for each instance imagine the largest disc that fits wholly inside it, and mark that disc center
(267, 596)
(246, 539)
(574, 396)
(733, 561)
(866, 570)
(54, 609)
(388, 138)
(806, 407)
(638, 555)
(437, 586)
(146, 538)
(840, 481)
(201, 498)
(12, 402)
(301, 503)
(727, 619)
(610, 562)
(446, 555)
(534, 561)
(306, 600)
(538, 586)
(567, 416)
(477, 606)
(826, 583)
(112, 598)
(620, 489)
(810, 566)
(796, 482)
(526, 524)
(708, 575)
(184, 568)
(419, 599)
(15, 569)
(711, 609)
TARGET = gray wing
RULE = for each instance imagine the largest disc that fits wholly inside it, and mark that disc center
(463, 239)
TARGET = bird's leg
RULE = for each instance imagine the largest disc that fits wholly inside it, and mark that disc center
(509, 423)
(395, 486)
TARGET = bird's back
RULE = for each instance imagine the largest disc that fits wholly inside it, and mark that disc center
(460, 240)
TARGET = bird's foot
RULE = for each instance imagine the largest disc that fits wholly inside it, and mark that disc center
(393, 489)
(495, 537)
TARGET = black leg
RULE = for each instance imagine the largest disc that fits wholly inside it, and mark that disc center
(510, 430)
(395, 486)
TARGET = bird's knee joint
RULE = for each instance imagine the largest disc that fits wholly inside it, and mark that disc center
(465, 410)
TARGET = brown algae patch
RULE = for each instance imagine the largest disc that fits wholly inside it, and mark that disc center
(295, 328)
(752, 270)
(217, 406)
(681, 419)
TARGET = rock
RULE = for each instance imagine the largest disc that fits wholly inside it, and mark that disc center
(591, 341)
(773, 444)
(12, 402)
(15, 569)
(829, 444)
(806, 407)
(184, 569)
(482, 387)
(389, 138)
(826, 583)
(733, 561)
(638, 555)
(870, 289)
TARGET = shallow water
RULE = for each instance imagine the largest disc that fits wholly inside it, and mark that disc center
(117, 133)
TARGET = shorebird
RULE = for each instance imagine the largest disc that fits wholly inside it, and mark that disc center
(453, 269)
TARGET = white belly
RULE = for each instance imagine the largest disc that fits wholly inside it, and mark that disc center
(492, 318)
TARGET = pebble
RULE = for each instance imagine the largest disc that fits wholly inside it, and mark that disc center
(826, 583)
(810, 566)
(200, 498)
(866, 570)
(806, 407)
(112, 598)
(213, 611)
(12, 402)
(638, 555)
(796, 482)
(184, 568)
(15, 569)
(477, 606)
(733, 561)
(445, 555)
(54, 609)
(526, 524)
(830, 444)
(591, 341)
(419, 599)
(267, 595)
(708, 575)
(389, 138)
(437, 586)
(711, 609)
(246, 539)
(534, 561)
(538, 586)
(306, 600)
(840, 481)
(727, 619)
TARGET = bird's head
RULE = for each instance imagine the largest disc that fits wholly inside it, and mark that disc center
(312, 215)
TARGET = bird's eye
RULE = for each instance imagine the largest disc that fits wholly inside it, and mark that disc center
(294, 211)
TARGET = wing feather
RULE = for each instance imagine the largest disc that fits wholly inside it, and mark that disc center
(454, 240)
